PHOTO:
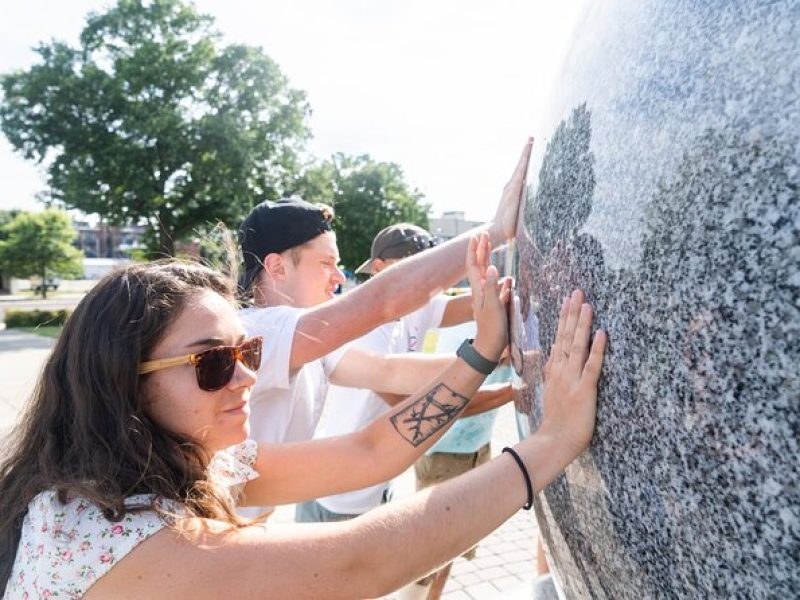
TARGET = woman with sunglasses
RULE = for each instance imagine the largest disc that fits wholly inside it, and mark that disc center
(132, 455)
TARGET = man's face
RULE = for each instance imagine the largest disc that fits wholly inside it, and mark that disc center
(315, 277)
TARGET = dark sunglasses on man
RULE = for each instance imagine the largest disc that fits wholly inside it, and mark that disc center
(214, 367)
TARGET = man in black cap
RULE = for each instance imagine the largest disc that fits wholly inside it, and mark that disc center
(393, 243)
(291, 269)
(399, 241)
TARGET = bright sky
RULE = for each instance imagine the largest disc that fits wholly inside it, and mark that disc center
(449, 89)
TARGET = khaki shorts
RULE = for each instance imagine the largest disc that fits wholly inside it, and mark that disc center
(441, 466)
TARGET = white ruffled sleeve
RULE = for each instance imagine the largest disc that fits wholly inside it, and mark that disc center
(233, 467)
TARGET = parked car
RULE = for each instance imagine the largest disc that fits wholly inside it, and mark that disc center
(49, 283)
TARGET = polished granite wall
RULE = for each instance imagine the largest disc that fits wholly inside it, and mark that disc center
(664, 182)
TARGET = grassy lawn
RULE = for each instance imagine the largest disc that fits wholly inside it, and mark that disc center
(44, 330)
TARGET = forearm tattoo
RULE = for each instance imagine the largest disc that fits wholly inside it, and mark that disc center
(422, 419)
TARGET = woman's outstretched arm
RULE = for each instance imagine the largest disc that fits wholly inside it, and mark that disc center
(392, 545)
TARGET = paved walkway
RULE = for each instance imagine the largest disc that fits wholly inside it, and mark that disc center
(502, 569)
(22, 355)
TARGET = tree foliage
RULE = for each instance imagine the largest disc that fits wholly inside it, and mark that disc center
(6, 216)
(40, 245)
(367, 196)
(150, 117)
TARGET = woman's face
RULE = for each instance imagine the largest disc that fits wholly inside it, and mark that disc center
(215, 419)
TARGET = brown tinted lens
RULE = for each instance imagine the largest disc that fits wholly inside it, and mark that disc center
(215, 368)
(251, 353)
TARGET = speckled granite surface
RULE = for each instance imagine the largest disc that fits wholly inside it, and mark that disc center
(665, 183)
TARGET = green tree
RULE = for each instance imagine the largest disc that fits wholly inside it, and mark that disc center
(6, 216)
(40, 245)
(151, 118)
(367, 197)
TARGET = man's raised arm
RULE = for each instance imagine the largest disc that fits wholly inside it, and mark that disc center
(403, 287)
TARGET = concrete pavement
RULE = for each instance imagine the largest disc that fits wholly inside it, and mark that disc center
(502, 569)
(22, 356)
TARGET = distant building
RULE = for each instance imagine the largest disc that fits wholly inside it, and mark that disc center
(101, 240)
(451, 224)
(97, 268)
(104, 247)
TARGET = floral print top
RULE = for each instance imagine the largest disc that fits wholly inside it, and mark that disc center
(65, 548)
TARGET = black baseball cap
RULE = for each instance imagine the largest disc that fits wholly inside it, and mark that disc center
(273, 227)
(397, 241)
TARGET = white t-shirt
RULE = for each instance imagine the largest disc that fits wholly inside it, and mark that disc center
(284, 406)
(351, 409)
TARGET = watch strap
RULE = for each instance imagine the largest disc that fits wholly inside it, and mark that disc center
(466, 352)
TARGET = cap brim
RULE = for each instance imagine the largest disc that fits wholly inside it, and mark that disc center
(366, 267)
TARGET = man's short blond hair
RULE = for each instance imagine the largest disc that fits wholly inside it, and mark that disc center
(328, 214)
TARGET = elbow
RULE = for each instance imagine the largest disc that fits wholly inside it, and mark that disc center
(376, 456)
(367, 569)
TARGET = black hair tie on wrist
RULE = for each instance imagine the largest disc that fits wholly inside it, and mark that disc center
(525, 474)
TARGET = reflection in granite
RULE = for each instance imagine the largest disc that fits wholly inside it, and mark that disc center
(667, 189)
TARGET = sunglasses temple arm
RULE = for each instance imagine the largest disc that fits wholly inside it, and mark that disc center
(156, 365)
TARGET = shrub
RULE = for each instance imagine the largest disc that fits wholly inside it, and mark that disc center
(35, 318)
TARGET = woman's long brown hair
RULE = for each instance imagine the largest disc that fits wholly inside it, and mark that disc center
(86, 430)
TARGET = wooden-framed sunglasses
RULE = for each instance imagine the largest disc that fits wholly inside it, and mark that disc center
(214, 367)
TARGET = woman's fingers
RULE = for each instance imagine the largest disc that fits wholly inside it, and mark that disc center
(557, 353)
(579, 347)
(575, 302)
(572, 345)
(594, 363)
